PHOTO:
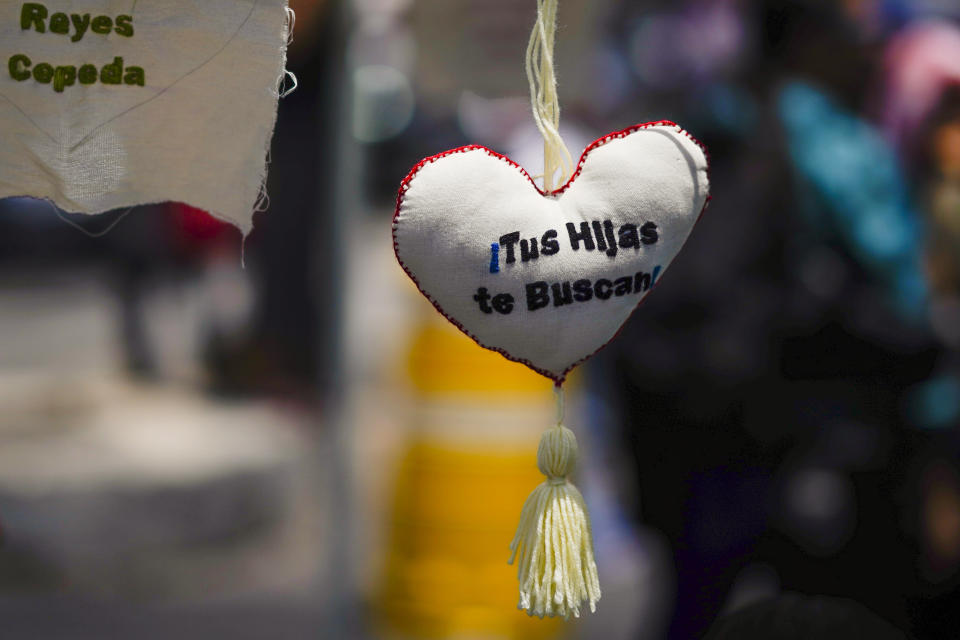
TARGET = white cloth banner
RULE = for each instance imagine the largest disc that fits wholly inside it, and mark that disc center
(112, 103)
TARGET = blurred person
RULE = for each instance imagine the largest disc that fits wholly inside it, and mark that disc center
(762, 386)
(138, 249)
(921, 112)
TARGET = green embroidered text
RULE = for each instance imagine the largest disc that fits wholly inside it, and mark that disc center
(22, 69)
(35, 16)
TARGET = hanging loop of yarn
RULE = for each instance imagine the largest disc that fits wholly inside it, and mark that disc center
(544, 101)
(554, 541)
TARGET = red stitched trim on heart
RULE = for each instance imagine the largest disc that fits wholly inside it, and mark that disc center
(557, 380)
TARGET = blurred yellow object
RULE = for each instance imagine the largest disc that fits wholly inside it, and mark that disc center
(459, 489)
(442, 359)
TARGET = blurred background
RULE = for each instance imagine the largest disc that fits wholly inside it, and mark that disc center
(303, 448)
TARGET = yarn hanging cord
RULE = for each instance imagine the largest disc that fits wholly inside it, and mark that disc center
(544, 101)
(553, 546)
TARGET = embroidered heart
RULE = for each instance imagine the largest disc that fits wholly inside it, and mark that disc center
(547, 279)
(71, 70)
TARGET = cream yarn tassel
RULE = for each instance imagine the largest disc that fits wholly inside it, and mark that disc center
(554, 542)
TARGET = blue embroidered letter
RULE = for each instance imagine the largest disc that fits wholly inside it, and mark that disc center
(495, 257)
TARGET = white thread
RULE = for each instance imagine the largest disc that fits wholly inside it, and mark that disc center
(89, 234)
(544, 101)
(282, 91)
(558, 394)
(291, 24)
(263, 197)
(285, 92)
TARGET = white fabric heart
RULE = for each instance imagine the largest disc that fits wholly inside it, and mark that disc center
(547, 279)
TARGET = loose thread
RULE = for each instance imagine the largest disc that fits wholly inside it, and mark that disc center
(263, 196)
(291, 24)
(81, 229)
(262, 202)
(282, 90)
